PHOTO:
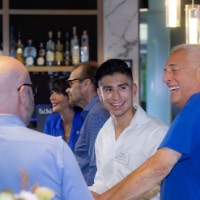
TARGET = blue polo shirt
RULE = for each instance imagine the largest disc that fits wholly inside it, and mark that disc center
(183, 182)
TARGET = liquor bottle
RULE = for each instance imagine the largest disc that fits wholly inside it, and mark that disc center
(19, 48)
(41, 55)
(75, 49)
(12, 43)
(59, 50)
(30, 53)
(50, 49)
(67, 60)
(84, 47)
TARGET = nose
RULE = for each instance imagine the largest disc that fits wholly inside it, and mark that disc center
(166, 77)
(67, 90)
(52, 96)
(115, 94)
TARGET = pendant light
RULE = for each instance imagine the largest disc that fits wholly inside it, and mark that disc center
(173, 13)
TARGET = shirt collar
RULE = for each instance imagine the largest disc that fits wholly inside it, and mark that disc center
(140, 116)
(91, 103)
(10, 120)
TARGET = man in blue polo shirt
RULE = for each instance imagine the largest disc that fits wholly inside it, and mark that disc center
(177, 161)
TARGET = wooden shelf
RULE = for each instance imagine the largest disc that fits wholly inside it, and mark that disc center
(52, 68)
(51, 12)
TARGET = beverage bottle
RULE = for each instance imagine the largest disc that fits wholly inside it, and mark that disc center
(50, 49)
(41, 55)
(19, 48)
(75, 49)
(12, 43)
(67, 60)
(59, 50)
(30, 53)
(84, 47)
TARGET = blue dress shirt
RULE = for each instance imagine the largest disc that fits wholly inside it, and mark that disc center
(47, 160)
(53, 126)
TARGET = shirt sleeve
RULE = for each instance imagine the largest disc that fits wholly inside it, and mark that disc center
(72, 177)
(99, 185)
(154, 139)
(94, 124)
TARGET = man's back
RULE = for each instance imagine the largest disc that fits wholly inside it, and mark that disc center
(47, 160)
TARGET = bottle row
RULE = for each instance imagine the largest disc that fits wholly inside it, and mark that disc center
(51, 53)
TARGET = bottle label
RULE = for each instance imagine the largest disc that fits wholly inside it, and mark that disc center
(40, 61)
(84, 54)
(75, 56)
(19, 50)
(29, 61)
(59, 56)
(50, 56)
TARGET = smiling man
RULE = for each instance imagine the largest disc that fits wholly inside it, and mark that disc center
(177, 161)
(130, 136)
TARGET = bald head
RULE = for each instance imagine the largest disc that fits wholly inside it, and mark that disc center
(14, 99)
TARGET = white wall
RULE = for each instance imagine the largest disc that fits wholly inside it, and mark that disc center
(121, 33)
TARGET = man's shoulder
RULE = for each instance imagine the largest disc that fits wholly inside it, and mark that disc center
(43, 139)
(156, 123)
(99, 109)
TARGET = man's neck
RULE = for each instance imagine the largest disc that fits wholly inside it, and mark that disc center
(122, 122)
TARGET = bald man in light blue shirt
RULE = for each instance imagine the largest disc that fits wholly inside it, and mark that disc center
(46, 160)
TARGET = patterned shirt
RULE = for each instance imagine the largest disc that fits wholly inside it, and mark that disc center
(84, 148)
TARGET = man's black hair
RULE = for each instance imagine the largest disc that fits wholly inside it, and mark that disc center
(112, 66)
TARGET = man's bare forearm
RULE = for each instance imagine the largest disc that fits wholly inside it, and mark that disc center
(135, 185)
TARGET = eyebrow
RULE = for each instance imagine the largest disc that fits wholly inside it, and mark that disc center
(120, 85)
(171, 66)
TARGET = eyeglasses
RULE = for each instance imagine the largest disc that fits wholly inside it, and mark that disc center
(34, 89)
(70, 82)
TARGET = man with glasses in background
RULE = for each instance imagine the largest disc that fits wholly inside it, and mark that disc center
(82, 92)
(27, 154)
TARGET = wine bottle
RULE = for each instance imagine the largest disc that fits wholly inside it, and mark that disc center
(19, 48)
(75, 49)
(41, 55)
(30, 53)
(50, 49)
(84, 47)
(67, 60)
(59, 50)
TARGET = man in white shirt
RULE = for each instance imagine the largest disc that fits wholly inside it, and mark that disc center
(130, 136)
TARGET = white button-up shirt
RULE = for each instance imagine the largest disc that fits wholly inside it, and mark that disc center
(116, 159)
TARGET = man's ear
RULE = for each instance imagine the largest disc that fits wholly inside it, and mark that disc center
(86, 83)
(23, 97)
(99, 94)
(134, 89)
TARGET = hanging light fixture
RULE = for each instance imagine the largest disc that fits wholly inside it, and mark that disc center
(144, 5)
(173, 13)
(192, 25)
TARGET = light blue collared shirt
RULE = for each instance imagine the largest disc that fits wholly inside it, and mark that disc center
(47, 160)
